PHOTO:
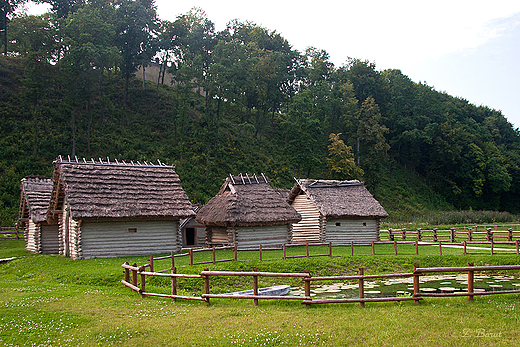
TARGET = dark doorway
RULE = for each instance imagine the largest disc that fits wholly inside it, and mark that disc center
(190, 236)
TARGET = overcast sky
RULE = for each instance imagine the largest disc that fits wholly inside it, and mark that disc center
(470, 49)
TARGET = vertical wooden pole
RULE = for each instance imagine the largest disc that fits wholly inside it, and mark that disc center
(307, 248)
(330, 249)
(517, 248)
(206, 285)
(470, 238)
(416, 289)
(352, 248)
(283, 249)
(419, 234)
(464, 247)
(435, 235)
(440, 248)
(255, 285)
(173, 279)
(151, 263)
(214, 256)
(510, 234)
(260, 252)
(373, 249)
(307, 286)
(235, 250)
(191, 257)
(491, 246)
(395, 247)
(403, 231)
(390, 236)
(134, 275)
(452, 235)
(470, 282)
(416, 247)
(127, 273)
(361, 286)
(143, 282)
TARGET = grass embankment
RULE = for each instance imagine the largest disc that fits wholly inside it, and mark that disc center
(52, 300)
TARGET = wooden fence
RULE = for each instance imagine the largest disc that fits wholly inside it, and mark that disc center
(10, 232)
(132, 272)
(453, 234)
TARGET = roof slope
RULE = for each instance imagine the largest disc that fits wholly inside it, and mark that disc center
(244, 201)
(35, 197)
(338, 199)
(108, 190)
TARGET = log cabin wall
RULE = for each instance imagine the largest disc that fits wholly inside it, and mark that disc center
(267, 236)
(33, 236)
(359, 231)
(309, 228)
(50, 243)
(218, 236)
(112, 239)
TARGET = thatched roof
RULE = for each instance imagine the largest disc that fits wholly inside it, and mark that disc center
(34, 198)
(246, 201)
(104, 190)
(339, 199)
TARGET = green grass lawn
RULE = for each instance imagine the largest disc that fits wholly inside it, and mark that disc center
(49, 300)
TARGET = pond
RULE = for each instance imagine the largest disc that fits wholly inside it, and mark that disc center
(395, 287)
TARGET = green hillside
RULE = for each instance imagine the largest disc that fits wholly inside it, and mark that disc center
(244, 102)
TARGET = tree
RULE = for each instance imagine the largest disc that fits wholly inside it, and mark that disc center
(341, 160)
(7, 8)
(62, 8)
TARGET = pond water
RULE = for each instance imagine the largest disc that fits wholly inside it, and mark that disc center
(395, 287)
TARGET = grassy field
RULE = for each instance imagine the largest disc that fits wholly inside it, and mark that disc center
(49, 300)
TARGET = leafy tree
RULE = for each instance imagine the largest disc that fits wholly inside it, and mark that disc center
(341, 161)
(7, 8)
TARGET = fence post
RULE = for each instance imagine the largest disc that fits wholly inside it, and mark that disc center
(260, 252)
(491, 246)
(307, 286)
(403, 231)
(191, 257)
(452, 234)
(470, 237)
(373, 249)
(235, 251)
(255, 283)
(440, 248)
(395, 247)
(134, 275)
(434, 235)
(206, 285)
(143, 282)
(419, 234)
(351, 248)
(361, 286)
(283, 249)
(416, 247)
(390, 236)
(489, 234)
(307, 248)
(151, 263)
(173, 279)
(517, 253)
(470, 282)
(510, 234)
(416, 285)
(330, 249)
(127, 273)
(464, 247)
(214, 255)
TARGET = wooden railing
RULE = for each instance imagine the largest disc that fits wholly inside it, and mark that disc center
(451, 235)
(133, 272)
(5, 232)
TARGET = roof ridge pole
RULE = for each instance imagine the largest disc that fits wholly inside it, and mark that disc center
(248, 178)
(265, 178)
(124, 163)
(256, 178)
(76, 159)
(61, 159)
(69, 158)
(101, 161)
(232, 179)
(93, 161)
(84, 160)
(132, 162)
(242, 177)
(108, 160)
(160, 164)
(116, 161)
(138, 163)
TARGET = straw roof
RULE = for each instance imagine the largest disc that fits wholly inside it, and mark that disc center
(247, 201)
(118, 190)
(34, 199)
(339, 199)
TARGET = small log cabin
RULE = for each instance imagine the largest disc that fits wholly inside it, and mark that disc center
(193, 233)
(34, 200)
(108, 209)
(247, 212)
(333, 211)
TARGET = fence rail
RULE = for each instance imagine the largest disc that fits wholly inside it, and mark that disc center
(456, 233)
(133, 272)
(11, 232)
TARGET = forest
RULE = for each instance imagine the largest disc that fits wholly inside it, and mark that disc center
(242, 100)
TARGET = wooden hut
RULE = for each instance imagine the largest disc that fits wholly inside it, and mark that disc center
(247, 212)
(107, 209)
(193, 234)
(339, 212)
(34, 200)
